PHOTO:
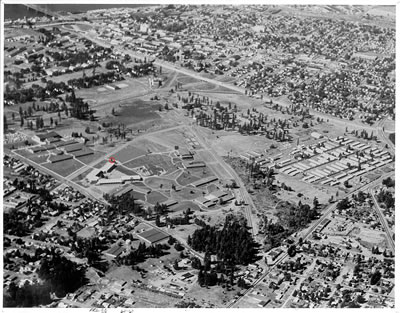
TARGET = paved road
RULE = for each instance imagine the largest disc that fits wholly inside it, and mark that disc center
(58, 176)
(115, 151)
(382, 134)
(240, 90)
(383, 221)
(243, 191)
(310, 231)
(196, 75)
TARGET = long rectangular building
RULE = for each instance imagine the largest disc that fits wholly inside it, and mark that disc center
(59, 158)
(204, 181)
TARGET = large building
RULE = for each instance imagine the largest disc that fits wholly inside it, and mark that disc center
(153, 236)
(47, 137)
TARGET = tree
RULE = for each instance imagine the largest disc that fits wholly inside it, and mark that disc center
(201, 278)
(64, 275)
(292, 251)
(375, 277)
(158, 222)
(171, 240)
(178, 247)
(196, 263)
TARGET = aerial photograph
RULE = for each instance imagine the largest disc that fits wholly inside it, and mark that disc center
(198, 156)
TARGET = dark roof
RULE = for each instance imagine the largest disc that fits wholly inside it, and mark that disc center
(193, 164)
(187, 275)
(58, 158)
(53, 139)
(73, 147)
(65, 143)
(204, 181)
(123, 191)
(37, 149)
(48, 135)
(170, 202)
(153, 235)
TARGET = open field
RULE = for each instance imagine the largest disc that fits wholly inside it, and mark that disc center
(129, 153)
(155, 196)
(64, 168)
(184, 79)
(187, 194)
(125, 171)
(82, 175)
(184, 205)
(202, 87)
(186, 179)
(150, 146)
(87, 159)
(170, 138)
(153, 162)
(134, 111)
(39, 158)
(156, 182)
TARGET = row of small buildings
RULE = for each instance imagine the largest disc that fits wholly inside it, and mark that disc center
(338, 161)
